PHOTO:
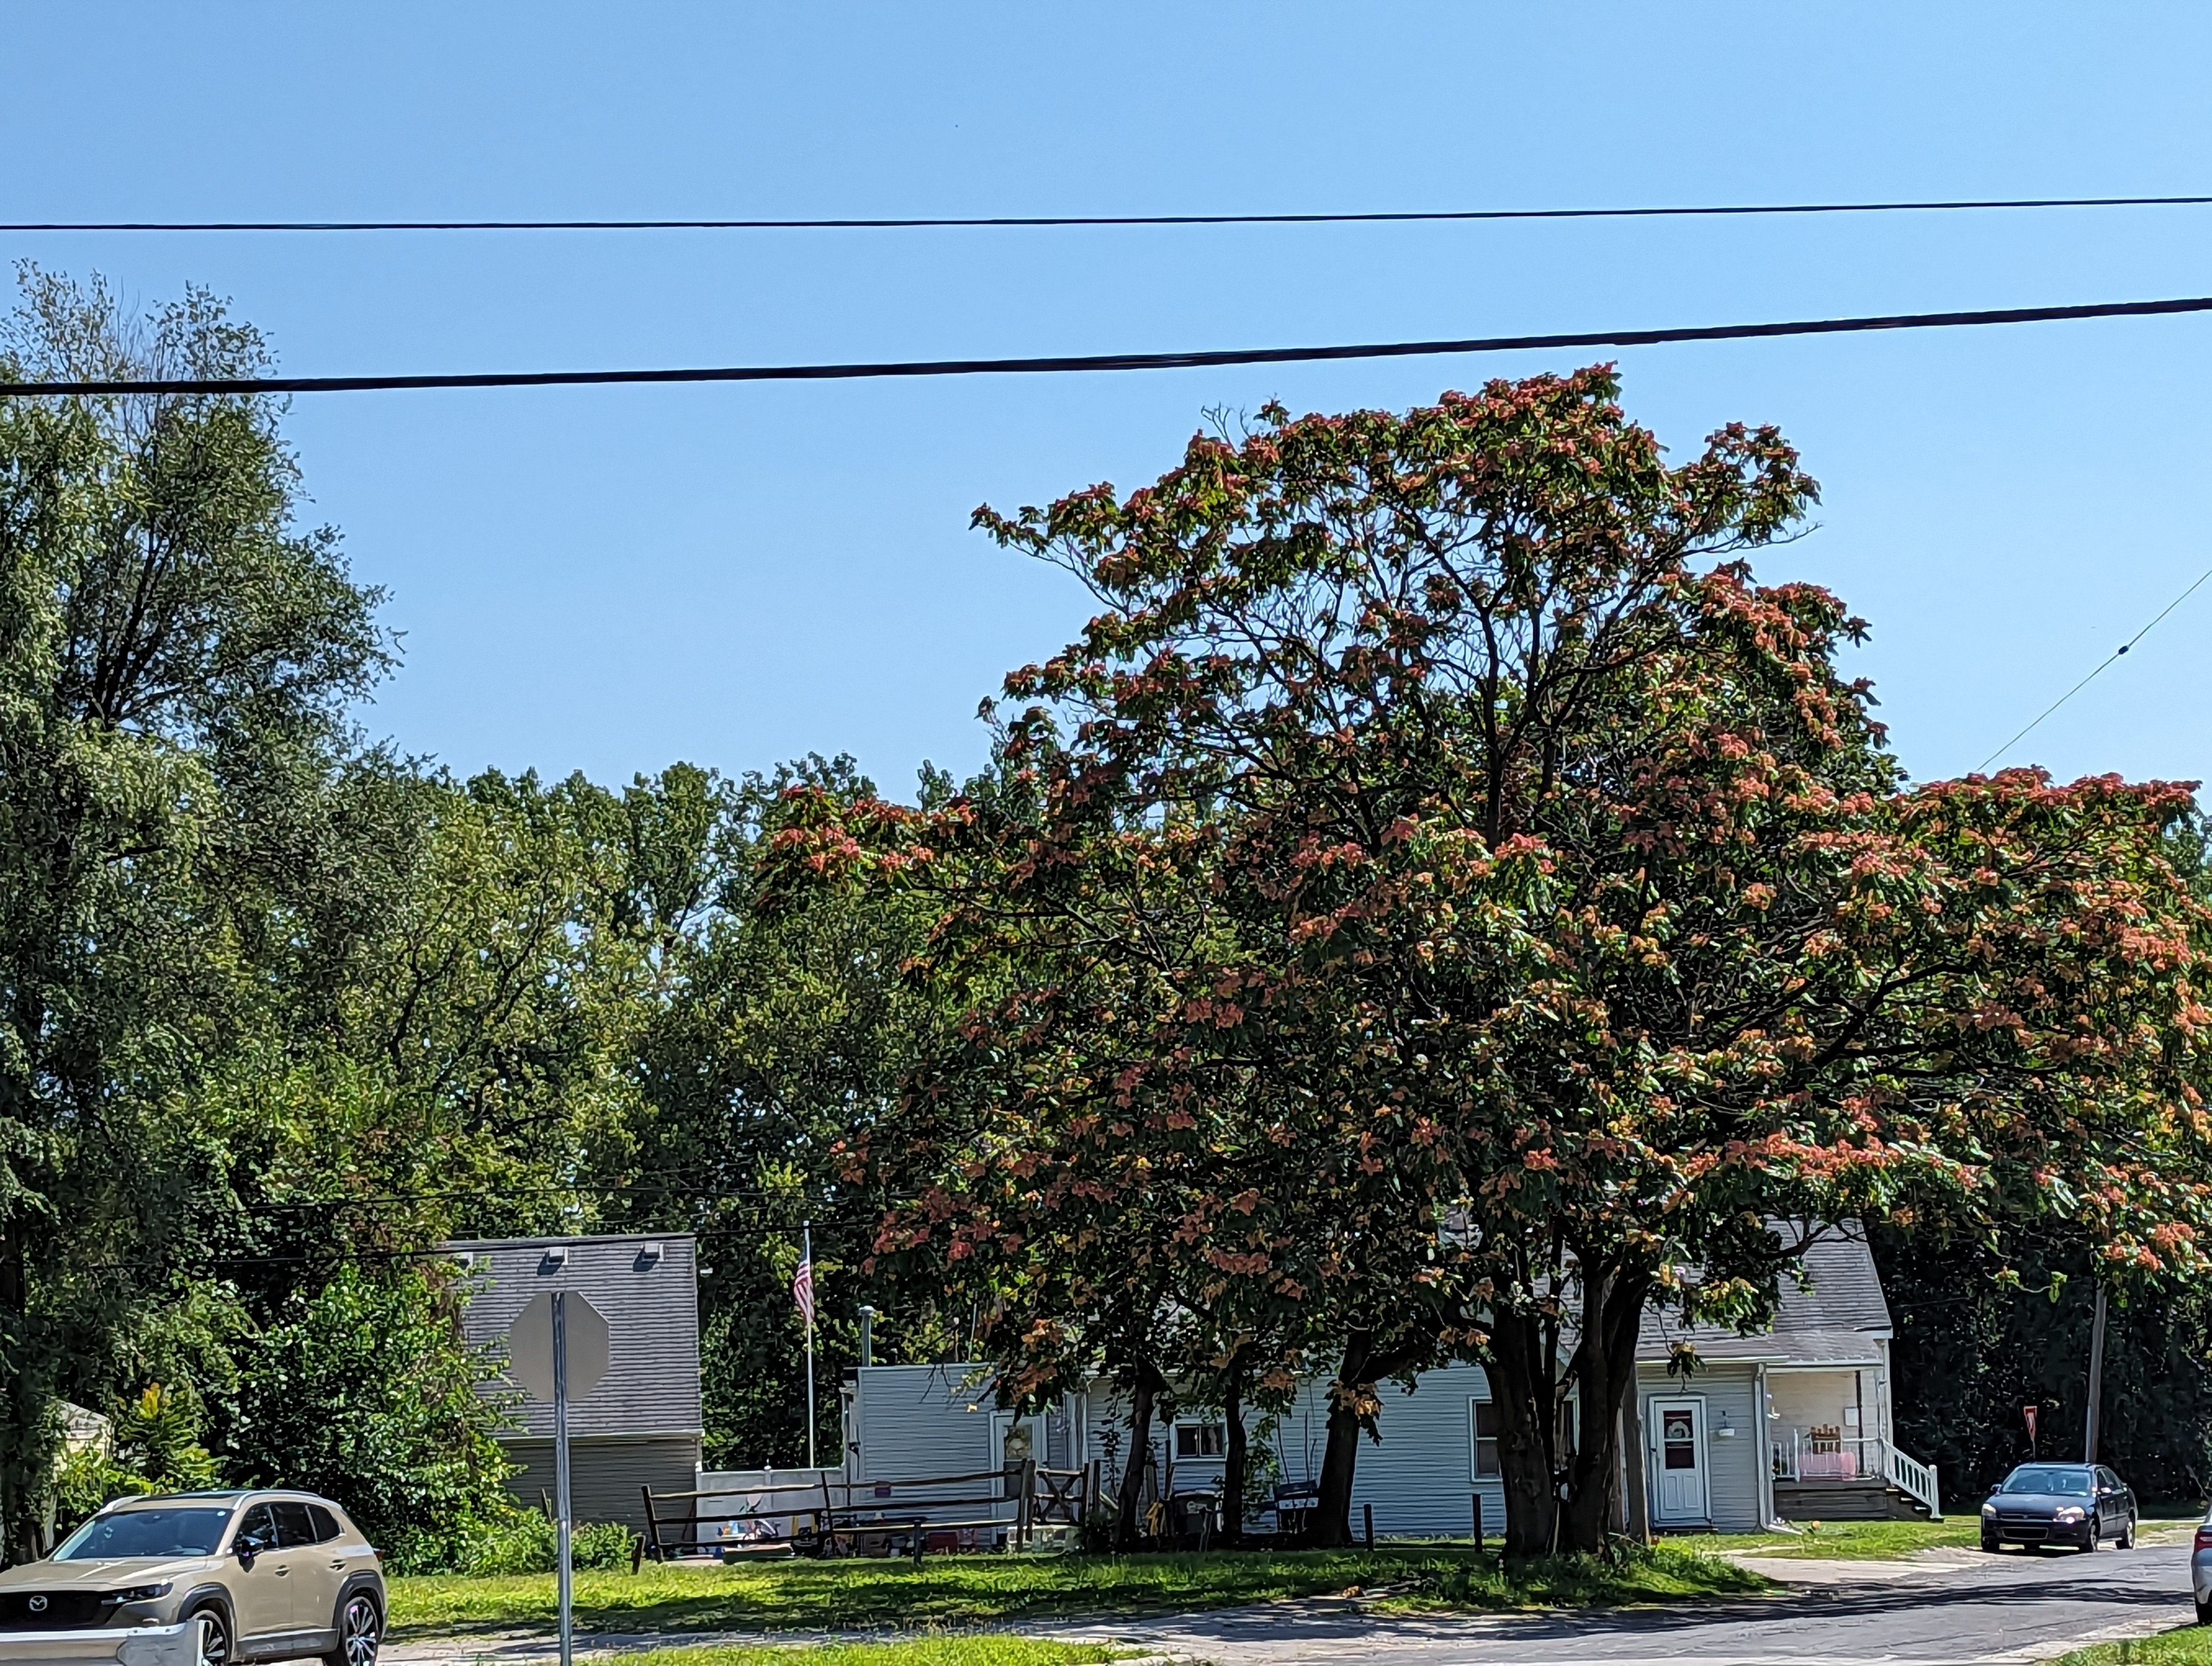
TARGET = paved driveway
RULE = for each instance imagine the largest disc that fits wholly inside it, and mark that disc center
(1965, 1607)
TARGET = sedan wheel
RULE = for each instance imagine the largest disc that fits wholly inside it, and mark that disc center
(2127, 1539)
(215, 1638)
(361, 1630)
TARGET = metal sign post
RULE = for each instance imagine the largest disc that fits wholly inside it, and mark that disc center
(560, 1551)
(556, 1349)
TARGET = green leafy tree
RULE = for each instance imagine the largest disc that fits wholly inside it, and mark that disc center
(365, 1393)
(777, 1032)
(176, 659)
(1476, 910)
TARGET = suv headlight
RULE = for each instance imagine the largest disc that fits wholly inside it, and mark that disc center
(1988, 1513)
(140, 1593)
(2071, 1514)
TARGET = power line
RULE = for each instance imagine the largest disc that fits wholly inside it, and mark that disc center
(1076, 363)
(2094, 675)
(1016, 221)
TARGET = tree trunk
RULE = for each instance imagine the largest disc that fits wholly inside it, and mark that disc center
(1639, 1483)
(1605, 1368)
(1233, 1464)
(1522, 1387)
(1140, 1452)
(1332, 1517)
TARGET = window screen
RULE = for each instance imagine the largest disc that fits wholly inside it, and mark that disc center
(1486, 1438)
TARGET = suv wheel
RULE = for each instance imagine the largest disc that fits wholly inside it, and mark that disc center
(360, 1632)
(213, 1636)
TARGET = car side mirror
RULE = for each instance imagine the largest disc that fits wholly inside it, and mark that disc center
(248, 1549)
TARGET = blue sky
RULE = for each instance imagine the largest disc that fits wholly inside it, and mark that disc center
(611, 579)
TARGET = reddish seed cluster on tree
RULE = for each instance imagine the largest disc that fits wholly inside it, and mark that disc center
(1443, 907)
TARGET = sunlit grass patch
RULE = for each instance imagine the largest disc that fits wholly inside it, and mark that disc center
(966, 1591)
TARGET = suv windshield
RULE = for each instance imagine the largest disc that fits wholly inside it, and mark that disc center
(2046, 1481)
(194, 1531)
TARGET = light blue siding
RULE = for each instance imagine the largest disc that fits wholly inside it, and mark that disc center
(1418, 1476)
(920, 1421)
(1730, 1392)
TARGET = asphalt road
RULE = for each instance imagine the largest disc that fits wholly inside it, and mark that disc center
(1967, 1607)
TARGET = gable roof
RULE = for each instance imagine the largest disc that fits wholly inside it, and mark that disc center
(1836, 1318)
(646, 1284)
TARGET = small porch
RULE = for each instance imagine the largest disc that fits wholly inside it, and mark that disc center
(1829, 1454)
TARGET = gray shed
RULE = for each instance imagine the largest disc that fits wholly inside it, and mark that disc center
(641, 1427)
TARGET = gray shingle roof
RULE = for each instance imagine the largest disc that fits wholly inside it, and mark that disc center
(1836, 1321)
(651, 1303)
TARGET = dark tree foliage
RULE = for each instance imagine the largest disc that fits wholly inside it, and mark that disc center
(1972, 1349)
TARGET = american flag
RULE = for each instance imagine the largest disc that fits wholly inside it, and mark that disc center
(802, 1287)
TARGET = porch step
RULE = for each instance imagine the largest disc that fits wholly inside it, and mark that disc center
(1844, 1501)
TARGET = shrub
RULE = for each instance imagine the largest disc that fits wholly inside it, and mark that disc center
(518, 1541)
(364, 1392)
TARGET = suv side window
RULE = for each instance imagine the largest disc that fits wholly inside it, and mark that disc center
(326, 1525)
(259, 1527)
(293, 1524)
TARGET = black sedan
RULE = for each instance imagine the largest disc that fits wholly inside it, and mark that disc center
(2060, 1504)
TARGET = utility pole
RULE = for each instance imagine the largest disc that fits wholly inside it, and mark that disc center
(2096, 1379)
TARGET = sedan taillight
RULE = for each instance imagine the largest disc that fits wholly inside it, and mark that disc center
(2204, 1536)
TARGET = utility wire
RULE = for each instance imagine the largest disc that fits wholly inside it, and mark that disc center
(2094, 675)
(1020, 220)
(1067, 363)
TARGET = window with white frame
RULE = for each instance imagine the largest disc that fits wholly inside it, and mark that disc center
(1201, 1440)
(1483, 1414)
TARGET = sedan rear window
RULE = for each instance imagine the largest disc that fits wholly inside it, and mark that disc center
(2047, 1480)
(176, 1532)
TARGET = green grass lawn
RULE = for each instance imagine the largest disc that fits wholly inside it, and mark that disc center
(1866, 1541)
(1851, 1542)
(961, 1591)
(2191, 1645)
(983, 1651)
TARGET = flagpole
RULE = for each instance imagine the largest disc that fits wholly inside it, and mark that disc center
(806, 1253)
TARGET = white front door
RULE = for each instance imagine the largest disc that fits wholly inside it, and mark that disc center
(1677, 1460)
(1012, 1439)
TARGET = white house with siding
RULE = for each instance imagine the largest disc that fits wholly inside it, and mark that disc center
(1793, 1423)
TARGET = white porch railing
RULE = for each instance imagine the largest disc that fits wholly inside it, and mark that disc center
(1805, 1455)
(1861, 1457)
(1910, 1475)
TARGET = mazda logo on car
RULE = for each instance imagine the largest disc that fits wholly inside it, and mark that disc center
(37, 1605)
